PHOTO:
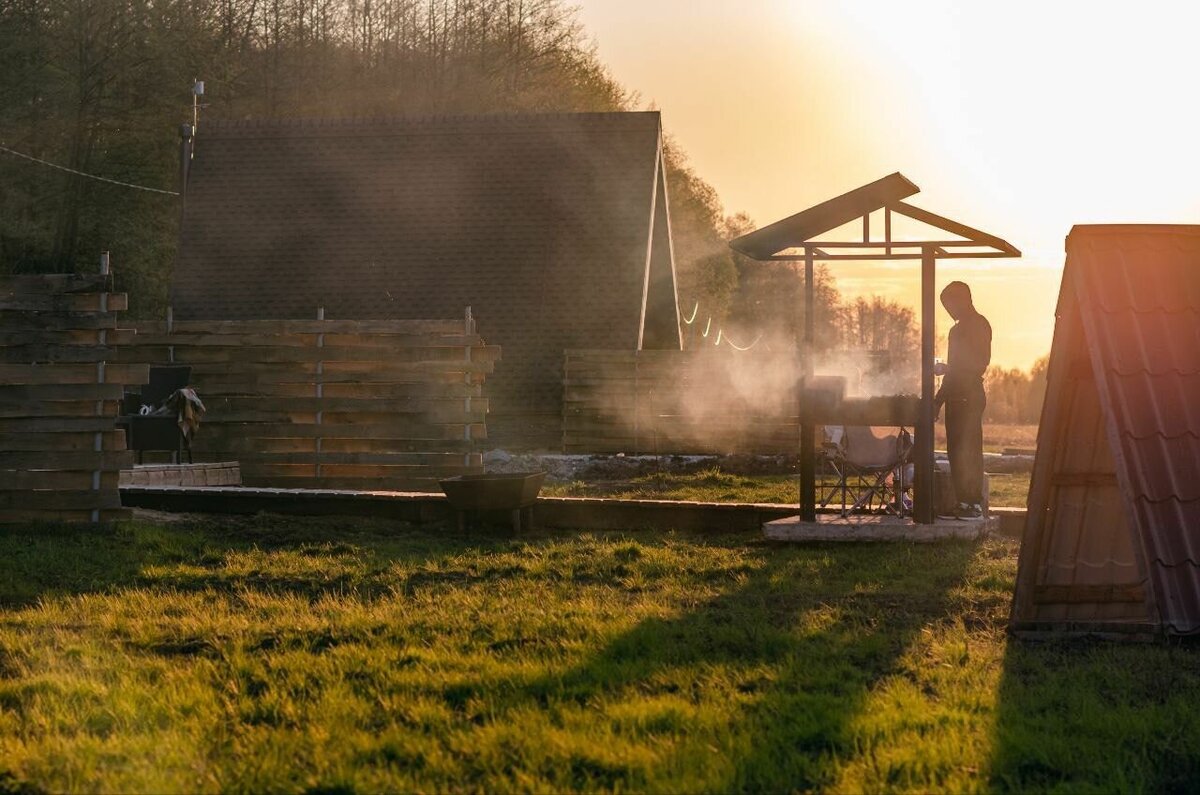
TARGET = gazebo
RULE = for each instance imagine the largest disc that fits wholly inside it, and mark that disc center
(794, 239)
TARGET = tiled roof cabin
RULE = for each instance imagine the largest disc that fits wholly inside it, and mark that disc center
(554, 229)
(1112, 537)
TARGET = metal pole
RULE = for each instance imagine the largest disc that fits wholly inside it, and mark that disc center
(808, 447)
(923, 508)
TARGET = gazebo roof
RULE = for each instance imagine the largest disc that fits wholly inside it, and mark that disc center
(885, 194)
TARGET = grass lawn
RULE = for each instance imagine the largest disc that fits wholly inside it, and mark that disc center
(292, 655)
(996, 437)
(713, 485)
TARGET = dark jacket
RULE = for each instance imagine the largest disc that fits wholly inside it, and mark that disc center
(968, 356)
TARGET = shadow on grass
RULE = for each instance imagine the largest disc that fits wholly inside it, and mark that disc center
(804, 638)
(1098, 716)
(37, 561)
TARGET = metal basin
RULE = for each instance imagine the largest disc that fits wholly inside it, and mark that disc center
(493, 492)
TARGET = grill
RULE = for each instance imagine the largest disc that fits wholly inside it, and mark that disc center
(824, 402)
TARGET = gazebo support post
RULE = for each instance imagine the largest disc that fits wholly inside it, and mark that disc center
(923, 507)
(808, 447)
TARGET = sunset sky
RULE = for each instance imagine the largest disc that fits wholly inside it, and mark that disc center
(1020, 118)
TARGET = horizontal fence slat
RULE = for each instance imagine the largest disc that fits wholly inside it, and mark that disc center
(427, 356)
(55, 283)
(59, 499)
(308, 403)
(60, 479)
(49, 353)
(21, 392)
(23, 441)
(420, 327)
(394, 430)
(11, 301)
(72, 373)
(112, 337)
(58, 408)
(56, 424)
(70, 459)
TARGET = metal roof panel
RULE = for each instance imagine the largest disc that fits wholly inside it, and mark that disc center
(824, 217)
(1138, 291)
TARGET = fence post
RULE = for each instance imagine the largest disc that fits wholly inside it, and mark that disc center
(637, 404)
(170, 330)
(98, 439)
(320, 388)
(469, 332)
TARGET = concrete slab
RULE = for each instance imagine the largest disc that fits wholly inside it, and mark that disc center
(872, 527)
(225, 473)
(581, 513)
(588, 513)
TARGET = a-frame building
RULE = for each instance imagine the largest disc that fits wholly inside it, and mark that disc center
(1112, 539)
(553, 228)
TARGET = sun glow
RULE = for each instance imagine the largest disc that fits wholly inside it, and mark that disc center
(1021, 119)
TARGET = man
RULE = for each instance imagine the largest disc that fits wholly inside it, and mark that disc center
(968, 355)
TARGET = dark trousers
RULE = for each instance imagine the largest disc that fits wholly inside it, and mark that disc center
(964, 445)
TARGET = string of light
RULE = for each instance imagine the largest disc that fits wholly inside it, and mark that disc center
(39, 161)
(720, 332)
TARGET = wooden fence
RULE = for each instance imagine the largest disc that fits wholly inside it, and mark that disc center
(694, 401)
(60, 450)
(343, 404)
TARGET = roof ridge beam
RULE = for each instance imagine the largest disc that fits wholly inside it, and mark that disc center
(954, 227)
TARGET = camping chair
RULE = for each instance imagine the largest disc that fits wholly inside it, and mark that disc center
(870, 466)
(156, 432)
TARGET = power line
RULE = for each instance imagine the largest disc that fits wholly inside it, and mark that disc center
(23, 156)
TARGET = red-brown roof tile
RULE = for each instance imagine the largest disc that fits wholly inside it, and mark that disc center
(1132, 295)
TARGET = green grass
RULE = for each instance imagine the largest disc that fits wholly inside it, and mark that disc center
(337, 656)
(713, 485)
(709, 485)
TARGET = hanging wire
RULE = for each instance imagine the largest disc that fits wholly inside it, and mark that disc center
(730, 343)
(23, 156)
(720, 332)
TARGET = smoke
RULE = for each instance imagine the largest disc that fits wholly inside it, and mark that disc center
(870, 373)
(715, 398)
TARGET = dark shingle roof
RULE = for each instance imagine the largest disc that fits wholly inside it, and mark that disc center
(540, 223)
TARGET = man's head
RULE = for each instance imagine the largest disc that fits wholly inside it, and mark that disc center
(956, 297)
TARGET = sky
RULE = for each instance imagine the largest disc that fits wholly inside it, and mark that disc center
(1019, 118)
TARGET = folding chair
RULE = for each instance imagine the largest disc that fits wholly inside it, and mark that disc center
(871, 469)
